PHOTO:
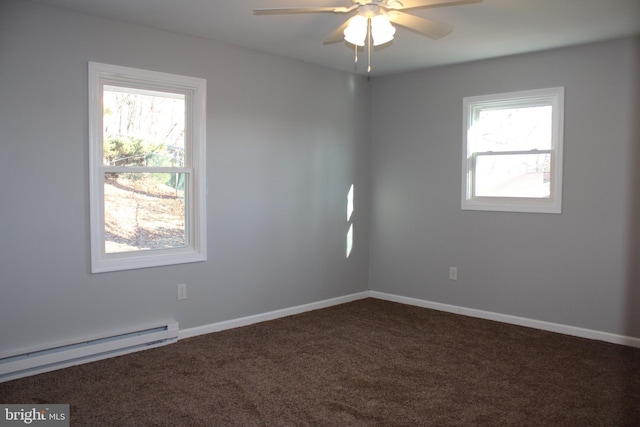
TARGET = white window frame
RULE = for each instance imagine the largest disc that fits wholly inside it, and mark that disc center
(194, 90)
(529, 98)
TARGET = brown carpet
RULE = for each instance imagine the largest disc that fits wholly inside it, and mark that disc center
(365, 363)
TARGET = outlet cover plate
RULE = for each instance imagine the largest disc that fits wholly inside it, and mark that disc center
(182, 291)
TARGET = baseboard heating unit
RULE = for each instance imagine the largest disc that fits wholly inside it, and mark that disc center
(37, 360)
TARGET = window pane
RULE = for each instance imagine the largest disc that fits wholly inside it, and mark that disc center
(143, 127)
(144, 211)
(513, 175)
(513, 129)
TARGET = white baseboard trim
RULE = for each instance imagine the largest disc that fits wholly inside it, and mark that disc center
(514, 320)
(504, 318)
(271, 315)
(481, 314)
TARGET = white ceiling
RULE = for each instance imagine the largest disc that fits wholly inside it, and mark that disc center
(482, 30)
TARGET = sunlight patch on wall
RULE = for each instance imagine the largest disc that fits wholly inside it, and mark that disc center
(350, 203)
(349, 215)
(349, 240)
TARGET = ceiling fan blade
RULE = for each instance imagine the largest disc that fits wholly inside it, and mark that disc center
(432, 29)
(338, 34)
(285, 10)
(417, 4)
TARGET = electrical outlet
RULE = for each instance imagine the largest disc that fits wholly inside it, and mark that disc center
(182, 291)
(453, 273)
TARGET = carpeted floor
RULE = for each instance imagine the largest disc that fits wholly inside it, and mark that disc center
(366, 363)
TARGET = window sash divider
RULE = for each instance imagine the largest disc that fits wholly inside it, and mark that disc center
(510, 153)
(144, 169)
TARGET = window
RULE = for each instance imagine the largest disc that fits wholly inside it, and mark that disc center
(512, 151)
(147, 168)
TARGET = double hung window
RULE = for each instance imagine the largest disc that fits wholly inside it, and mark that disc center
(147, 168)
(512, 151)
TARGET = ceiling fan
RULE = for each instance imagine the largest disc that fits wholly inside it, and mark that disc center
(371, 20)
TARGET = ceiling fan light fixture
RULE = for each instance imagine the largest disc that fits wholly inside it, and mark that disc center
(356, 31)
(381, 30)
(371, 26)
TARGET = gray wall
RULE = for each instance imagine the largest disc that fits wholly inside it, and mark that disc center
(285, 141)
(578, 268)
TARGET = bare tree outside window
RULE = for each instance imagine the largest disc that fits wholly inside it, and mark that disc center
(143, 210)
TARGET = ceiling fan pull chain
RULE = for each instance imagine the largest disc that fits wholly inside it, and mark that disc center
(356, 53)
(368, 45)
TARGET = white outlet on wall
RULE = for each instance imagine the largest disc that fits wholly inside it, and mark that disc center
(453, 273)
(182, 291)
